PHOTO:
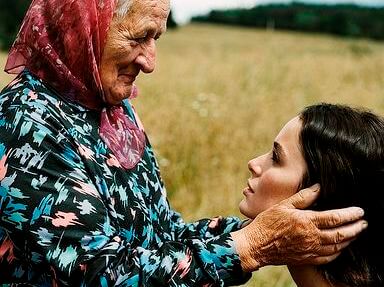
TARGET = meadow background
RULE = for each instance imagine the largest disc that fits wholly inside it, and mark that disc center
(220, 95)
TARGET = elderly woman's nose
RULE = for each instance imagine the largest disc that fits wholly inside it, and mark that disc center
(147, 58)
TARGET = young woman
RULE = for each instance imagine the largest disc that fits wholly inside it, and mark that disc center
(342, 149)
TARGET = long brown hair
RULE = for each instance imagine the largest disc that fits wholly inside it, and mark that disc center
(344, 151)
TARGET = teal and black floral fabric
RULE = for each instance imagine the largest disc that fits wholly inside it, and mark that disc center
(70, 215)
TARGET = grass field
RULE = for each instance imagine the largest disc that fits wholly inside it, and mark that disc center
(220, 95)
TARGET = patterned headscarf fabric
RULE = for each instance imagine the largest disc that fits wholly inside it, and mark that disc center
(62, 41)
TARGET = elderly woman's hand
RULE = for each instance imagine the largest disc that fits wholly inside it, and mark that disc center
(285, 234)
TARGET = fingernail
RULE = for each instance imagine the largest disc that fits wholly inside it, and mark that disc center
(365, 224)
(315, 187)
(361, 212)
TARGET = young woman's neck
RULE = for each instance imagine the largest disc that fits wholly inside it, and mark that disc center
(309, 276)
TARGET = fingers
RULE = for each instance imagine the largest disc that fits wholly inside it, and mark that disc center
(342, 233)
(335, 241)
(304, 198)
(246, 222)
(332, 249)
(336, 217)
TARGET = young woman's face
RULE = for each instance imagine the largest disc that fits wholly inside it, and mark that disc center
(277, 174)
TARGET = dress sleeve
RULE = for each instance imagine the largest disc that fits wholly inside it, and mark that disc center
(211, 236)
(55, 218)
(204, 228)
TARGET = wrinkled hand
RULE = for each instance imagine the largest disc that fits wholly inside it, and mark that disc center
(287, 235)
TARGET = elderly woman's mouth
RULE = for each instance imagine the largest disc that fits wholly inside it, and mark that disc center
(128, 78)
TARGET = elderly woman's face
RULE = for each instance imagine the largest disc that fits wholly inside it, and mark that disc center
(130, 47)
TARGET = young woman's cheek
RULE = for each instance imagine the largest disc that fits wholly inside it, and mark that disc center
(279, 185)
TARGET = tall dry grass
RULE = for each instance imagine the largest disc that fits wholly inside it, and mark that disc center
(4, 78)
(220, 95)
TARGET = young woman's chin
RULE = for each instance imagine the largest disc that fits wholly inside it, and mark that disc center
(246, 210)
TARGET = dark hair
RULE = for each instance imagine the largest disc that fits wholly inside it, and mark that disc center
(344, 151)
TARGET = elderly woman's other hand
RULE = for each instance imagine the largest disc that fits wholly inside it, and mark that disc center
(317, 237)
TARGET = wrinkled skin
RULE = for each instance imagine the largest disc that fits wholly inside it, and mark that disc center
(131, 47)
(287, 235)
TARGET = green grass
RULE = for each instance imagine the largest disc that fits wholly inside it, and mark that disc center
(220, 95)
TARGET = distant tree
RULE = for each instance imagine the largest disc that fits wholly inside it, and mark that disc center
(171, 23)
(11, 14)
(340, 19)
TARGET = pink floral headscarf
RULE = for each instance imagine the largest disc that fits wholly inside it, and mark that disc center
(62, 41)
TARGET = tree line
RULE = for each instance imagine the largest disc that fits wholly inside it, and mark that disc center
(340, 19)
(12, 13)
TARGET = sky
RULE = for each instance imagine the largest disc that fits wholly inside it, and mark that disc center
(183, 10)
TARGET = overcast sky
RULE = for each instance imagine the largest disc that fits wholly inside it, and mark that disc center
(184, 9)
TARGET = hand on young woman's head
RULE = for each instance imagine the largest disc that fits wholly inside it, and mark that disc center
(287, 235)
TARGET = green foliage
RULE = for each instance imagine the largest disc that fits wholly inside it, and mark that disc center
(171, 23)
(11, 15)
(344, 20)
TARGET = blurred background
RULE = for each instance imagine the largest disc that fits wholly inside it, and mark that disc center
(230, 74)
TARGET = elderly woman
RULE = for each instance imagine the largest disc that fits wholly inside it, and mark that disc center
(81, 198)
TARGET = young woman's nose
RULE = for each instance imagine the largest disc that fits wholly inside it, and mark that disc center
(147, 57)
(255, 167)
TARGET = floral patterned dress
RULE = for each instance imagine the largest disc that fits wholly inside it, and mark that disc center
(70, 215)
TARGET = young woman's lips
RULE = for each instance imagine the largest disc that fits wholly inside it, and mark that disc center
(248, 190)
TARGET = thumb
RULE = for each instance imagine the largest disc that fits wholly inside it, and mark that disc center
(304, 198)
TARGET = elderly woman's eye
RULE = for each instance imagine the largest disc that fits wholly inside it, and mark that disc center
(141, 39)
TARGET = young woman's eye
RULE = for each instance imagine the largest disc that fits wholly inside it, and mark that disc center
(275, 157)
